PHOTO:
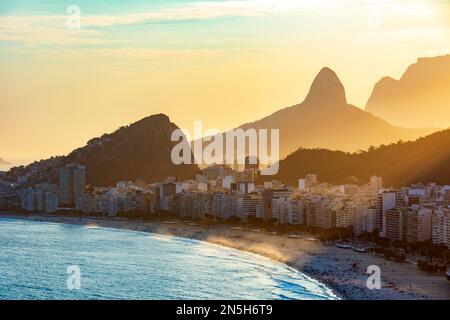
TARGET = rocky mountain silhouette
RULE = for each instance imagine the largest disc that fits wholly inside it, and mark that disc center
(399, 164)
(420, 98)
(141, 150)
(325, 120)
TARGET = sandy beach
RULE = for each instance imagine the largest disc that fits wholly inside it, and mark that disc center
(343, 270)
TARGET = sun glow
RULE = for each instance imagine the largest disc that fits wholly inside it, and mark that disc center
(192, 59)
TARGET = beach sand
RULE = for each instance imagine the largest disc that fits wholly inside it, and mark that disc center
(343, 270)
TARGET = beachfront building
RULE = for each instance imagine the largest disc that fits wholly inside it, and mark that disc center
(164, 196)
(190, 205)
(125, 198)
(394, 224)
(386, 201)
(280, 210)
(9, 197)
(31, 200)
(91, 203)
(345, 212)
(359, 217)
(248, 205)
(418, 224)
(296, 212)
(50, 202)
(72, 184)
(441, 227)
(370, 219)
(40, 198)
(280, 205)
(222, 205)
(320, 213)
(267, 206)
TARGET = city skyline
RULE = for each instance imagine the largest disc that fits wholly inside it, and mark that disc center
(220, 152)
(402, 226)
(253, 58)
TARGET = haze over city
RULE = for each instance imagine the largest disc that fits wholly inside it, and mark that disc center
(222, 62)
(225, 150)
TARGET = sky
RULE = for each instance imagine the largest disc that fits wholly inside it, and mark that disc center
(224, 62)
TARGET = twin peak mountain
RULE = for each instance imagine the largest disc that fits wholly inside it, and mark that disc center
(323, 120)
(326, 90)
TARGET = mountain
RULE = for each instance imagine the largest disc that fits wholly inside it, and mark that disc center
(325, 120)
(399, 164)
(140, 150)
(421, 98)
(2, 161)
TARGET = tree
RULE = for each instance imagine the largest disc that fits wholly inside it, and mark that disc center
(233, 220)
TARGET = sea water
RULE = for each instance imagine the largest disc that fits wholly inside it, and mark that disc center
(38, 260)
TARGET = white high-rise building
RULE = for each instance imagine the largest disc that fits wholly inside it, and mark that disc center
(386, 201)
(51, 202)
(110, 203)
(222, 205)
(419, 224)
(366, 220)
(296, 211)
(250, 204)
(394, 224)
(371, 219)
(34, 200)
(27, 200)
(302, 185)
(441, 227)
(345, 215)
(319, 213)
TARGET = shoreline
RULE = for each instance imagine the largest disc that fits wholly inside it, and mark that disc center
(342, 270)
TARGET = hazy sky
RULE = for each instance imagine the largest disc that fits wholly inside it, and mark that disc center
(222, 62)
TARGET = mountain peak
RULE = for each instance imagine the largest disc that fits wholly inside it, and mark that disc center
(160, 117)
(419, 99)
(326, 89)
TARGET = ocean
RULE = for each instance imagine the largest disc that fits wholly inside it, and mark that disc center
(45, 261)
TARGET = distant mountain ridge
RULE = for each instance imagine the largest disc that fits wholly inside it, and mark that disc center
(420, 98)
(399, 164)
(140, 150)
(3, 161)
(325, 120)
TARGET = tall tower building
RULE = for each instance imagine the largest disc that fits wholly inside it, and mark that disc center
(394, 224)
(163, 193)
(79, 182)
(65, 186)
(267, 205)
(72, 184)
(386, 201)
